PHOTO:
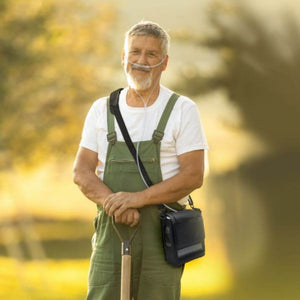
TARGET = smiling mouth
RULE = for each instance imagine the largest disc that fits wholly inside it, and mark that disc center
(143, 71)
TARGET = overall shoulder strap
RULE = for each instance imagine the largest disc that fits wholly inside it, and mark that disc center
(110, 119)
(159, 131)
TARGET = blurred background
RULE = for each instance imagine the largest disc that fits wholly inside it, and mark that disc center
(238, 60)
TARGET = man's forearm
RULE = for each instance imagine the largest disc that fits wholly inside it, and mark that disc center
(92, 187)
(170, 190)
(189, 178)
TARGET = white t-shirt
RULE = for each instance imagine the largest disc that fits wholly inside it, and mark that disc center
(183, 133)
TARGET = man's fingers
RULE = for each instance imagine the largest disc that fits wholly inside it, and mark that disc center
(118, 220)
(112, 203)
(129, 217)
(112, 206)
(107, 202)
(134, 223)
(110, 211)
(136, 219)
(118, 211)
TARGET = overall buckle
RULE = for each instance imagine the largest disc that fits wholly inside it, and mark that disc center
(112, 137)
(157, 136)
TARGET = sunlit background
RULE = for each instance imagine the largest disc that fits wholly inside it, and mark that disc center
(238, 60)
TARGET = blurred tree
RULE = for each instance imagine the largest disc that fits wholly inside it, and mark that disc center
(260, 68)
(51, 53)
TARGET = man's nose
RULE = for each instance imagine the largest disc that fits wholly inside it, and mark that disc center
(142, 60)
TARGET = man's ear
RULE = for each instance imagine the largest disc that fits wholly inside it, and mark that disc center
(122, 57)
(165, 63)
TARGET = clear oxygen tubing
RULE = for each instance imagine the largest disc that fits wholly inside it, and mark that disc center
(145, 102)
(144, 67)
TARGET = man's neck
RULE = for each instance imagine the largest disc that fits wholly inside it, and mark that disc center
(137, 98)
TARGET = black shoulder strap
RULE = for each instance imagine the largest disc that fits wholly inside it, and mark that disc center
(115, 110)
(114, 100)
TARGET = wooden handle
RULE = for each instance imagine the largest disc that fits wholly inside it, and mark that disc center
(125, 277)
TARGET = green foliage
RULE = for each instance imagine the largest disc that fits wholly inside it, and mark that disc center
(50, 56)
(259, 69)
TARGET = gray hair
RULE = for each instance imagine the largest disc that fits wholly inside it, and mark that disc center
(149, 28)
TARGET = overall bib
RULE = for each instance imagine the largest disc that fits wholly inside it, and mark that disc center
(151, 277)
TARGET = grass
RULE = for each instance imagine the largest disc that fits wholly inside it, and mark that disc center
(50, 279)
(67, 279)
(61, 273)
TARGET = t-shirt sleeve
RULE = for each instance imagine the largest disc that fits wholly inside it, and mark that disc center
(191, 134)
(89, 132)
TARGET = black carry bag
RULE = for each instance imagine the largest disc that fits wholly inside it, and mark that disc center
(183, 235)
(183, 230)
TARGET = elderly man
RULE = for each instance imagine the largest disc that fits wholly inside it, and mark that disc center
(174, 160)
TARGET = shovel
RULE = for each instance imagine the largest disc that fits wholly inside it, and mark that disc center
(126, 261)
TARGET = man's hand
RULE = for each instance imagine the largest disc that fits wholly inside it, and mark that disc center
(117, 203)
(130, 216)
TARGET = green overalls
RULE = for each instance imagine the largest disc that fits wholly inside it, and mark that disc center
(151, 277)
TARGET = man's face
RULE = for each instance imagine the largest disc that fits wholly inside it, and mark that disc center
(144, 50)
